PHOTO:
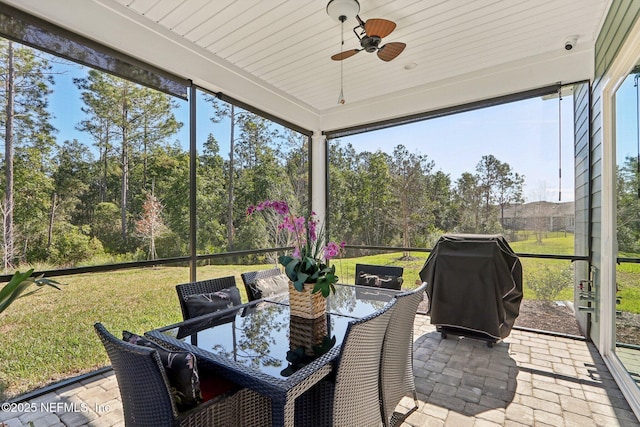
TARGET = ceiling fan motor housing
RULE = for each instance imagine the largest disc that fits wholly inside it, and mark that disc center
(370, 43)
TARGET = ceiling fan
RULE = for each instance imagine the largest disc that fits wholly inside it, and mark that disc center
(369, 33)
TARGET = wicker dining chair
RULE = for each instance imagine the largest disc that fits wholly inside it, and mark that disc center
(352, 397)
(381, 276)
(396, 366)
(146, 394)
(201, 287)
(250, 278)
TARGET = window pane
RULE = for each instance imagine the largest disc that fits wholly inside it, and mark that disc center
(627, 309)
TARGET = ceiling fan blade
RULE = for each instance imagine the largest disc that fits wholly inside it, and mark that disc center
(344, 55)
(390, 50)
(379, 27)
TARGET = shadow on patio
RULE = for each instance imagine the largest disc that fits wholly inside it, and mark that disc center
(528, 379)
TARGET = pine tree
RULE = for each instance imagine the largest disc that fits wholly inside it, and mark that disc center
(126, 121)
(29, 143)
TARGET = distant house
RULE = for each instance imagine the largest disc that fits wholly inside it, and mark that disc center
(540, 216)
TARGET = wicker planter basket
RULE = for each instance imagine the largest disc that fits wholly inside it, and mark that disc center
(306, 304)
(307, 333)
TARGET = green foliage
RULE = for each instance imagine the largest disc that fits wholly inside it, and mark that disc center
(169, 167)
(547, 282)
(309, 270)
(499, 186)
(72, 245)
(18, 284)
(31, 142)
(106, 223)
(211, 200)
(409, 172)
(127, 151)
(170, 245)
(372, 190)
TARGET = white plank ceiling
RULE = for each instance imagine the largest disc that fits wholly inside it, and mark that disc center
(282, 48)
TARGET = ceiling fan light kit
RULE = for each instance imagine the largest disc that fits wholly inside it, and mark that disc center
(341, 10)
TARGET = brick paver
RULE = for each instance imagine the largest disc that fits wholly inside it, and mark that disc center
(528, 380)
(93, 402)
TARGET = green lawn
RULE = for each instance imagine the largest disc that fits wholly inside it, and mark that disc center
(628, 281)
(49, 336)
(628, 274)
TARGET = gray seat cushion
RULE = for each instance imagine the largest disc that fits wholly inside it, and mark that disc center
(270, 286)
(200, 304)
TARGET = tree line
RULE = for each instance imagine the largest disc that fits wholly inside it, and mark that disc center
(122, 192)
(380, 199)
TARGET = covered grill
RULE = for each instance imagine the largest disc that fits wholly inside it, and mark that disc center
(474, 285)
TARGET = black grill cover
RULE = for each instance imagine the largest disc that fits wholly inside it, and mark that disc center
(474, 283)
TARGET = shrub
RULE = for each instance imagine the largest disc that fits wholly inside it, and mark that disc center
(171, 245)
(547, 282)
(72, 245)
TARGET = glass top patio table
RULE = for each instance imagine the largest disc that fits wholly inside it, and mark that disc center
(251, 343)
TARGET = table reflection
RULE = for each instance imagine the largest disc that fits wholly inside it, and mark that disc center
(258, 336)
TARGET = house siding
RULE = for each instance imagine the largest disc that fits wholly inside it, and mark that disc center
(621, 17)
(581, 101)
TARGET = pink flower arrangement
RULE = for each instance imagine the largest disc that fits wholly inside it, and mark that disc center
(308, 263)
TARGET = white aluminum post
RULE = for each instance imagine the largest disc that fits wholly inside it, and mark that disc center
(318, 175)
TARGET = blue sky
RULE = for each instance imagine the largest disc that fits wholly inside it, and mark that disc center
(523, 134)
(66, 106)
(626, 120)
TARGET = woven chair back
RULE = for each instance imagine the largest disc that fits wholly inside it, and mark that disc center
(250, 278)
(396, 369)
(201, 287)
(357, 392)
